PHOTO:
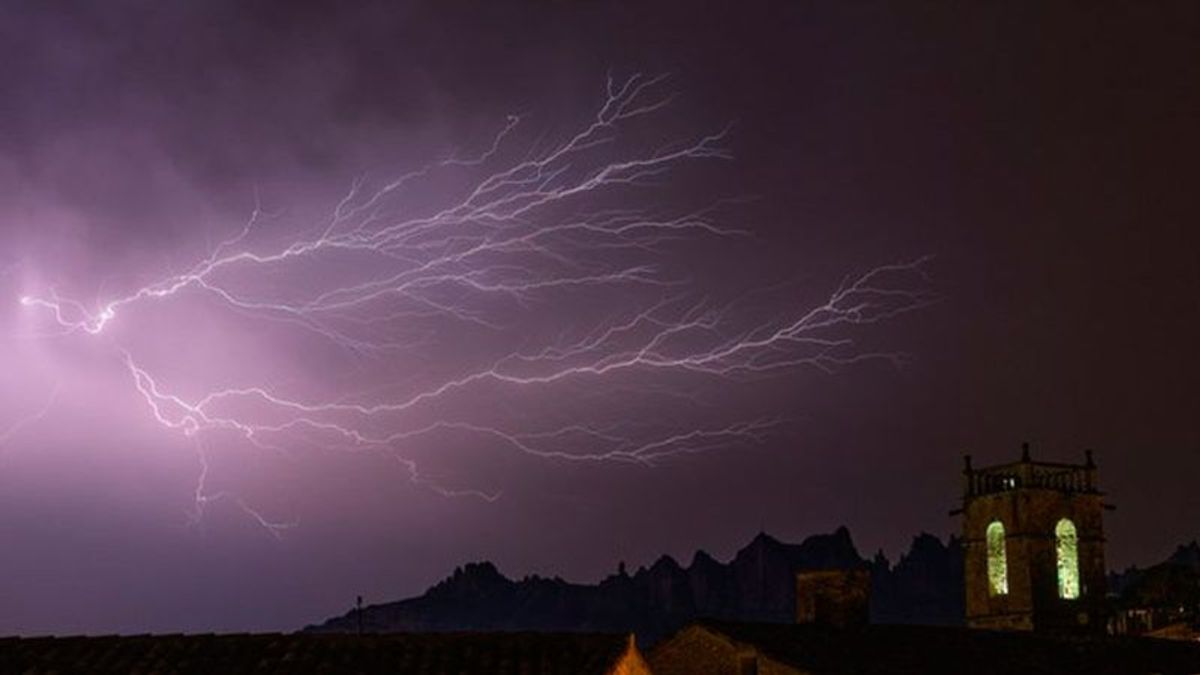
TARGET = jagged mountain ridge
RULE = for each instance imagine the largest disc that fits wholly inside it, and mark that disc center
(758, 584)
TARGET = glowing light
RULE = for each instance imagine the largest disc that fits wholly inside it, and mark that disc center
(535, 225)
(997, 559)
(1067, 556)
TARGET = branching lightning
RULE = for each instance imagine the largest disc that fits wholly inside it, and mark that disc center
(534, 228)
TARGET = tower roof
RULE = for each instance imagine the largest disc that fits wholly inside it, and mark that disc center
(1029, 474)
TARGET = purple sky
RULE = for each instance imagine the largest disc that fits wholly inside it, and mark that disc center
(322, 302)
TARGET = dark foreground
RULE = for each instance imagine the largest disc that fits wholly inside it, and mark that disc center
(299, 654)
(725, 647)
(704, 648)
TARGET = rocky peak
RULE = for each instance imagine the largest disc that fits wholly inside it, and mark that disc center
(835, 550)
(471, 579)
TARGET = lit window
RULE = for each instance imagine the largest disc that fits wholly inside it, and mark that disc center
(997, 560)
(1067, 550)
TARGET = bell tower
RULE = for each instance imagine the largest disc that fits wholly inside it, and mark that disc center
(1033, 541)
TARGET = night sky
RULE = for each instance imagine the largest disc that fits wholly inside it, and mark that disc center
(300, 302)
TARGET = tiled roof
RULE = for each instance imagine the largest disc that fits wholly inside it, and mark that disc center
(430, 653)
(928, 650)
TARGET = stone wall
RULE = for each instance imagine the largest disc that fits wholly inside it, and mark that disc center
(833, 597)
(1030, 508)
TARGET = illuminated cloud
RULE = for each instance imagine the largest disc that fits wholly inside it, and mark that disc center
(554, 264)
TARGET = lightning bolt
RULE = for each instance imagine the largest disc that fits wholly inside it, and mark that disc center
(539, 226)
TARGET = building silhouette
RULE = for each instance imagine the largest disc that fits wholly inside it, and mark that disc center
(1033, 540)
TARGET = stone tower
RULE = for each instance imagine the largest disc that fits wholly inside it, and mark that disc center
(1033, 541)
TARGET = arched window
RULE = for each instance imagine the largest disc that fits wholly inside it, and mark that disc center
(1067, 553)
(997, 560)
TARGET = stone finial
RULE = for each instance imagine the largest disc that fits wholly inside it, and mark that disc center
(967, 463)
(1025, 451)
(1091, 462)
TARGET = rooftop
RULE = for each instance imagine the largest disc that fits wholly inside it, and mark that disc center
(928, 650)
(429, 653)
(1027, 473)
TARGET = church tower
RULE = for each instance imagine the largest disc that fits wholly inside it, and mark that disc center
(1033, 541)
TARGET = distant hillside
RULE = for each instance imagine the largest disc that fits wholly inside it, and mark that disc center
(1175, 582)
(758, 584)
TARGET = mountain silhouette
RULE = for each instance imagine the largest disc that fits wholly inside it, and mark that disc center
(1172, 584)
(758, 584)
